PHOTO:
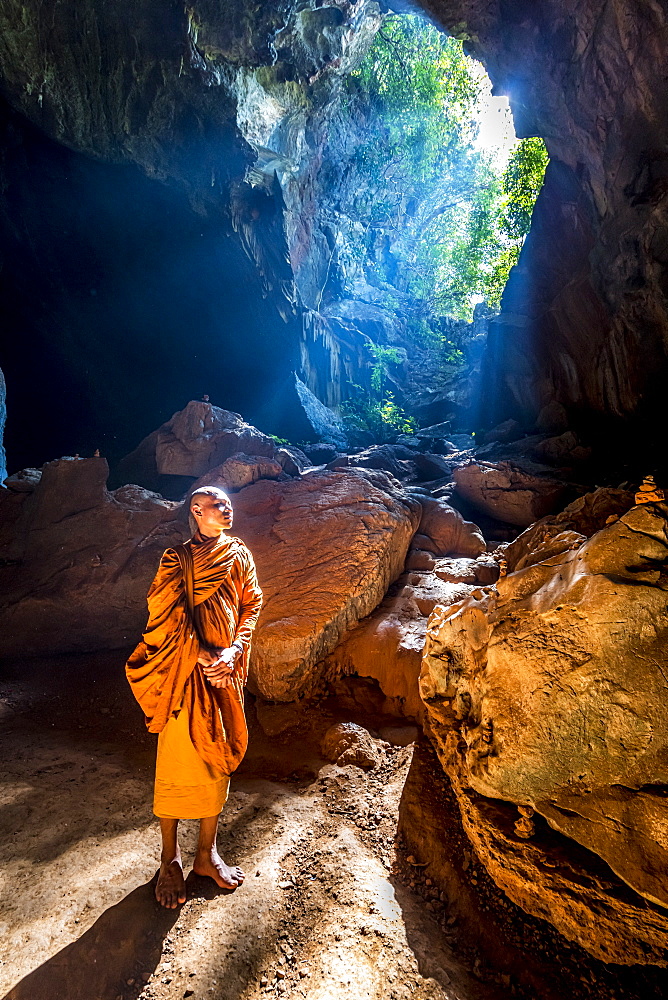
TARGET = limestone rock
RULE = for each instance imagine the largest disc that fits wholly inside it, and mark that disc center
(561, 532)
(327, 546)
(444, 531)
(203, 436)
(75, 572)
(564, 450)
(456, 570)
(484, 570)
(591, 512)
(387, 645)
(320, 453)
(240, 470)
(431, 467)
(557, 683)
(347, 743)
(548, 875)
(541, 541)
(305, 417)
(194, 441)
(463, 442)
(24, 481)
(293, 460)
(378, 456)
(507, 491)
(508, 430)
(420, 559)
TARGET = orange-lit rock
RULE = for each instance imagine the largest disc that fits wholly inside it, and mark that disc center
(508, 492)
(192, 442)
(77, 560)
(327, 546)
(241, 470)
(347, 743)
(549, 691)
(444, 531)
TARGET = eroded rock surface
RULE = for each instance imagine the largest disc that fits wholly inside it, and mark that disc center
(559, 533)
(444, 531)
(508, 492)
(241, 470)
(347, 743)
(77, 560)
(327, 546)
(548, 692)
(194, 441)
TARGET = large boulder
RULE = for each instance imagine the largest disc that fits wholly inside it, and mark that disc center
(508, 492)
(327, 546)
(378, 456)
(558, 533)
(194, 441)
(240, 470)
(77, 560)
(549, 692)
(444, 531)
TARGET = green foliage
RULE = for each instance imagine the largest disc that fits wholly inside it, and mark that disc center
(375, 410)
(522, 181)
(453, 220)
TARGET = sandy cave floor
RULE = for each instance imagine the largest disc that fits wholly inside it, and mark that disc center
(331, 908)
(327, 910)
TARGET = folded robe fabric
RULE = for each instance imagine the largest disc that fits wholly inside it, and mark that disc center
(163, 671)
(186, 787)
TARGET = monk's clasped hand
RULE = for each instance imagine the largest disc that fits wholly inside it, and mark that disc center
(219, 672)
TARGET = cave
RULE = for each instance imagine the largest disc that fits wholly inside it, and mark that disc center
(256, 279)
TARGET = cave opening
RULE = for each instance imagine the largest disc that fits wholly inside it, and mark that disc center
(317, 213)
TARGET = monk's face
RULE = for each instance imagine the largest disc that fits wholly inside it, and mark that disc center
(212, 513)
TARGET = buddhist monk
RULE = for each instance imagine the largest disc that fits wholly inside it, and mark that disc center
(188, 675)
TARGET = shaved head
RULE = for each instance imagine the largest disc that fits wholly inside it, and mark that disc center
(208, 491)
(210, 511)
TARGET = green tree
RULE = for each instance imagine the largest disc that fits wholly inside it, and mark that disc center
(522, 181)
(375, 410)
(450, 219)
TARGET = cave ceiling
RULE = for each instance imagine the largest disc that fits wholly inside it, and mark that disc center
(187, 95)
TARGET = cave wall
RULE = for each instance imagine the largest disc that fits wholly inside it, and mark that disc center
(235, 104)
(119, 303)
(585, 315)
(224, 108)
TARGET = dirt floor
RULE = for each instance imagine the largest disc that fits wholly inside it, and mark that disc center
(326, 910)
(334, 906)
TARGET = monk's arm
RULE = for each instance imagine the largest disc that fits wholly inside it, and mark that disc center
(220, 672)
(250, 603)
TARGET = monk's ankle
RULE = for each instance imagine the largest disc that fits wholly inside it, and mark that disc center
(171, 858)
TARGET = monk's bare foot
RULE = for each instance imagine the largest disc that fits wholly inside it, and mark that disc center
(171, 888)
(211, 864)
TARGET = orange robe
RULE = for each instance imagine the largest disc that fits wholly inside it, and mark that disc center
(195, 760)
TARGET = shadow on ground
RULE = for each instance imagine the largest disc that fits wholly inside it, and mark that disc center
(122, 944)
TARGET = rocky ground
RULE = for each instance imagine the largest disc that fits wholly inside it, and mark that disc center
(324, 911)
(334, 904)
